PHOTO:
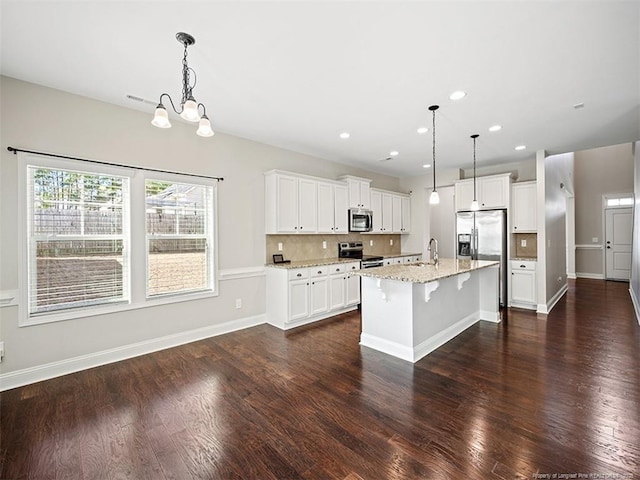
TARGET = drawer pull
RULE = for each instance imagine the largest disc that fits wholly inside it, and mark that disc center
(319, 271)
(523, 266)
(299, 275)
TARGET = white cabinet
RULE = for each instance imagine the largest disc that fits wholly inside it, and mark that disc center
(359, 191)
(523, 207)
(405, 214)
(302, 295)
(523, 284)
(291, 204)
(391, 212)
(332, 208)
(491, 192)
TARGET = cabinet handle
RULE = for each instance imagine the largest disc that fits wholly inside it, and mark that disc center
(312, 283)
(523, 266)
(299, 275)
(319, 271)
(337, 269)
(300, 228)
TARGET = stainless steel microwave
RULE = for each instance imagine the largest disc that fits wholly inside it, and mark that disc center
(360, 220)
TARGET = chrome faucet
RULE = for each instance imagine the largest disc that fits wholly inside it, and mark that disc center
(433, 250)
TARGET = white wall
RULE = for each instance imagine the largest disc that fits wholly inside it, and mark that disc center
(634, 288)
(552, 171)
(39, 118)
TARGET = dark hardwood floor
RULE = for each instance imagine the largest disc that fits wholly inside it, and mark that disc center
(531, 396)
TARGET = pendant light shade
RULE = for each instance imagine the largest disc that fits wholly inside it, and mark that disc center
(474, 204)
(161, 118)
(434, 199)
(204, 127)
(190, 110)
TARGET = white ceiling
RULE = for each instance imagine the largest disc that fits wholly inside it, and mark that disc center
(296, 74)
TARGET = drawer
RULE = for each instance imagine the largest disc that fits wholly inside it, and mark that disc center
(337, 268)
(523, 265)
(298, 273)
(350, 267)
(319, 271)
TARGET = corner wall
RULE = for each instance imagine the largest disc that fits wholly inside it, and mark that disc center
(634, 285)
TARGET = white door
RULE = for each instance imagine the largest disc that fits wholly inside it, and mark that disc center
(618, 228)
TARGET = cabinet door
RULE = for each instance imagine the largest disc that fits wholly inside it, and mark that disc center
(494, 192)
(341, 209)
(326, 208)
(354, 194)
(523, 203)
(376, 208)
(396, 214)
(406, 214)
(387, 213)
(298, 300)
(307, 206)
(365, 195)
(463, 192)
(319, 290)
(287, 204)
(337, 289)
(523, 286)
(353, 290)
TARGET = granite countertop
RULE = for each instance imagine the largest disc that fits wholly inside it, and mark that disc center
(415, 273)
(312, 263)
(525, 259)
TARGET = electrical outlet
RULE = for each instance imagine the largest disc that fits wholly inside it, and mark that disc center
(238, 303)
(523, 243)
(279, 246)
(324, 245)
(371, 243)
(1, 351)
(391, 241)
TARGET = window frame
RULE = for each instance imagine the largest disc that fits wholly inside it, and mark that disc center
(137, 272)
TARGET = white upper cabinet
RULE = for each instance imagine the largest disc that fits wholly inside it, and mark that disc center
(523, 207)
(341, 207)
(359, 191)
(491, 192)
(391, 212)
(326, 208)
(291, 204)
(406, 214)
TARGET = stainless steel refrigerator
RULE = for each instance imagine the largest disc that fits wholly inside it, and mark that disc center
(482, 235)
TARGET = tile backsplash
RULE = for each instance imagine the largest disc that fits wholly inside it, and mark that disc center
(530, 251)
(309, 247)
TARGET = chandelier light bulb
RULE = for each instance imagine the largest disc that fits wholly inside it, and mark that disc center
(204, 127)
(434, 199)
(161, 118)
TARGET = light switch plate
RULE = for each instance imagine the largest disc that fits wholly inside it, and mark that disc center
(391, 241)
(279, 246)
(324, 244)
(371, 243)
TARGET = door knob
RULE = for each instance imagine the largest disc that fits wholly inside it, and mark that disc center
(608, 246)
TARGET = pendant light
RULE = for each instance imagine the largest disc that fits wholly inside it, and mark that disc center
(474, 205)
(434, 199)
(189, 107)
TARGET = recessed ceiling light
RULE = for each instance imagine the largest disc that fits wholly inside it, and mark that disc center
(495, 128)
(422, 130)
(457, 95)
(426, 165)
(345, 135)
(394, 153)
(521, 147)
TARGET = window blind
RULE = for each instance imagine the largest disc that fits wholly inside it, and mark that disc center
(78, 239)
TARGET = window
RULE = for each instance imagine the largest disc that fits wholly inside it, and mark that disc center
(99, 239)
(179, 233)
(619, 201)
(77, 239)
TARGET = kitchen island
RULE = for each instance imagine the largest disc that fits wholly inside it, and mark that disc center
(410, 310)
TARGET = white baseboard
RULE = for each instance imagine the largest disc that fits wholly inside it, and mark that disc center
(592, 276)
(571, 276)
(636, 304)
(546, 308)
(385, 346)
(63, 367)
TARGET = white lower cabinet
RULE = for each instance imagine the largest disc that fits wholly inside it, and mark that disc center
(523, 284)
(299, 296)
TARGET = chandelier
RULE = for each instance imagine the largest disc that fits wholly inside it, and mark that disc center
(189, 108)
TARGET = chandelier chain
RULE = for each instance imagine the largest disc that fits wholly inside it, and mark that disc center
(186, 90)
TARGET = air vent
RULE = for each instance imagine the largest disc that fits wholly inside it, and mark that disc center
(139, 99)
(578, 106)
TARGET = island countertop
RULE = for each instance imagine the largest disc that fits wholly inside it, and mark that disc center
(421, 272)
